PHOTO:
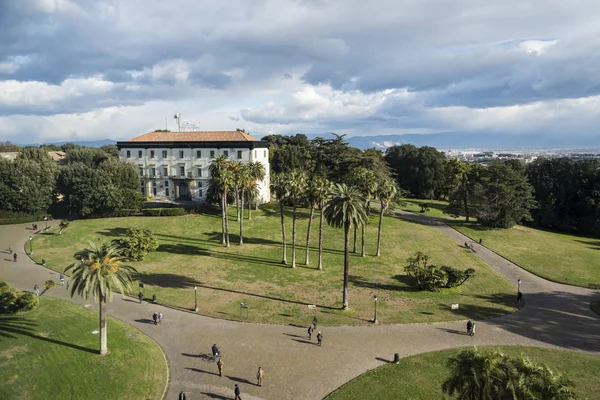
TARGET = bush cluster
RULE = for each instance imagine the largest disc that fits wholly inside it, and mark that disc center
(137, 243)
(164, 212)
(432, 278)
(12, 301)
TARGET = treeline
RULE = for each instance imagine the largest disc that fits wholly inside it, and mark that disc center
(92, 182)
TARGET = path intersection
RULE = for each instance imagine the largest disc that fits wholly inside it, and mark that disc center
(555, 316)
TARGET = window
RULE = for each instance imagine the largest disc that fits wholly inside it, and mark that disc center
(167, 192)
(139, 154)
(166, 171)
(226, 153)
(154, 184)
(128, 153)
(200, 193)
(154, 191)
(180, 153)
(164, 154)
(198, 153)
(141, 171)
(151, 153)
(153, 173)
(143, 191)
(239, 155)
(199, 171)
(181, 171)
(200, 184)
(212, 154)
(166, 184)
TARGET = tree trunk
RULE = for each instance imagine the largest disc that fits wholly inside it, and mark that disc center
(237, 202)
(294, 236)
(362, 244)
(249, 209)
(310, 219)
(284, 260)
(321, 239)
(346, 264)
(381, 210)
(466, 206)
(242, 220)
(354, 247)
(103, 341)
(226, 225)
(223, 220)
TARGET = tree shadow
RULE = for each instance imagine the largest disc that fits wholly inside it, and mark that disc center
(11, 326)
(239, 380)
(476, 226)
(111, 232)
(593, 244)
(202, 371)
(166, 280)
(408, 284)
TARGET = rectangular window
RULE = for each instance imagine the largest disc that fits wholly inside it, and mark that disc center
(166, 171)
(212, 154)
(139, 154)
(166, 184)
(128, 153)
(200, 184)
(181, 171)
(239, 155)
(198, 153)
(154, 191)
(180, 153)
(151, 153)
(199, 171)
(164, 154)
(200, 193)
(153, 172)
(141, 171)
(226, 153)
(167, 192)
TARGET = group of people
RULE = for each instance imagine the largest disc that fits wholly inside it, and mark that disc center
(220, 365)
(157, 317)
(312, 328)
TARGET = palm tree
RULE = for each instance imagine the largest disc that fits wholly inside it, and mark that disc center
(386, 192)
(236, 168)
(220, 178)
(366, 182)
(252, 195)
(244, 180)
(49, 284)
(297, 185)
(98, 270)
(344, 210)
(318, 193)
(472, 375)
(279, 185)
(258, 172)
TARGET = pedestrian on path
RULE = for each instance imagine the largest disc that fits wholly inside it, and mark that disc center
(15, 257)
(159, 317)
(469, 327)
(61, 279)
(259, 376)
(140, 296)
(155, 317)
(237, 392)
(36, 290)
(220, 366)
(315, 323)
(319, 338)
(310, 331)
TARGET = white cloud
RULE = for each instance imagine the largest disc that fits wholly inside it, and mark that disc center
(536, 46)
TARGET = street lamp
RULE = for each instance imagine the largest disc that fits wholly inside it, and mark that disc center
(195, 298)
(30, 245)
(46, 221)
(375, 314)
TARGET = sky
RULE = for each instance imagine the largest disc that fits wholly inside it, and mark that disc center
(96, 69)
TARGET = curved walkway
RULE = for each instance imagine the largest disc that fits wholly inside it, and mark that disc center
(555, 316)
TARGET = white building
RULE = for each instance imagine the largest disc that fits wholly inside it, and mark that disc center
(174, 165)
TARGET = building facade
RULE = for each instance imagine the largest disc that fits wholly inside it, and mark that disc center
(174, 165)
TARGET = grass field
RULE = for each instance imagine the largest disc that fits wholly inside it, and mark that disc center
(559, 257)
(50, 353)
(421, 376)
(437, 208)
(190, 254)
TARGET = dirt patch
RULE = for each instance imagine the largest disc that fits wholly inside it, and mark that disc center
(44, 334)
(9, 353)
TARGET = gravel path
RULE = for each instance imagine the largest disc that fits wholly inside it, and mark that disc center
(554, 316)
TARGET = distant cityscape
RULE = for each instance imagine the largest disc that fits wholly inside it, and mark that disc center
(525, 155)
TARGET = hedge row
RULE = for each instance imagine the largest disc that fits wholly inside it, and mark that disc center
(7, 218)
(164, 212)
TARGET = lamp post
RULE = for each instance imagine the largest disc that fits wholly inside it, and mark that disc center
(46, 221)
(30, 244)
(375, 314)
(195, 298)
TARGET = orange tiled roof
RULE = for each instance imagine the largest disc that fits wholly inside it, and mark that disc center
(207, 136)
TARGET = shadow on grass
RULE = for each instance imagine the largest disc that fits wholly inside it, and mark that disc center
(112, 232)
(167, 280)
(472, 311)
(11, 326)
(407, 284)
(593, 244)
(472, 225)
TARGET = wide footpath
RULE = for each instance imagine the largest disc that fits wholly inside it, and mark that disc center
(554, 315)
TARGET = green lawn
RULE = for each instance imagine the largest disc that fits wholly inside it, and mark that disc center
(421, 376)
(559, 257)
(50, 353)
(437, 208)
(190, 253)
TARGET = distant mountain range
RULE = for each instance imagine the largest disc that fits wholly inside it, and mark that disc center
(446, 140)
(87, 143)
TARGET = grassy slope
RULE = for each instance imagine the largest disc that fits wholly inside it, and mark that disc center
(560, 257)
(437, 208)
(190, 253)
(421, 376)
(50, 353)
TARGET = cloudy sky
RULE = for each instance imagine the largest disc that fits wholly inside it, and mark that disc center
(95, 69)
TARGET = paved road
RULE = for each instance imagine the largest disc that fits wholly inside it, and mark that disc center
(555, 316)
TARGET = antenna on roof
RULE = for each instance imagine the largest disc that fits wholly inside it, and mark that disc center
(166, 125)
(177, 117)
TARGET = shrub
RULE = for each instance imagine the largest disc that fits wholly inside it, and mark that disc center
(26, 302)
(433, 278)
(164, 212)
(424, 207)
(457, 277)
(13, 301)
(126, 212)
(137, 243)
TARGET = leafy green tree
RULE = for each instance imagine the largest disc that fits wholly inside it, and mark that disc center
(99, 270)
(296, 190)
(137, 243)
(432, 278)
(386, 191)
(8, 147)
(280, 186)
(467, 184)
(346, 209)
(111, 149)
(12, 301)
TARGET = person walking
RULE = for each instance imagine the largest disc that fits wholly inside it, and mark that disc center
(155, 318)
(61, 279)
(215, 351)
(36, 290)
(310, 331)
(259, 376)
(237, 392)
(160, 317)
(140, 296)
(319, 338)
(315, 323)
(220, 366)
(15, 257)
(469, 327)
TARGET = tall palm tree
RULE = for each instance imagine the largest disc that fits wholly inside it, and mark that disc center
(244, 180)
(98, 270)
(236, 168)
(366, 182)
(386, 192)
(252, 195)
(258, 172)
(297, 187)
(322, 193)
(279, 186)
(345, 209)
(312, 202)
(216, 169)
